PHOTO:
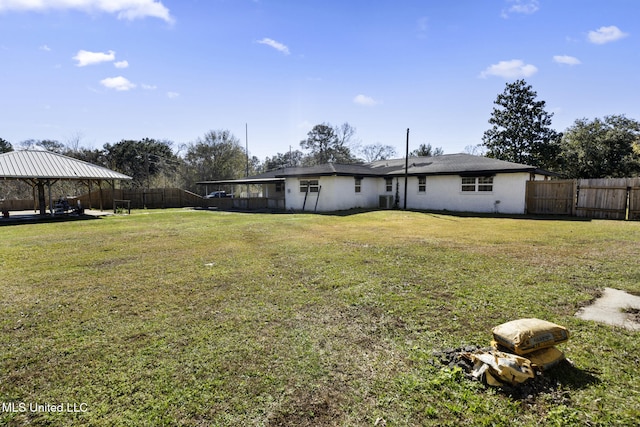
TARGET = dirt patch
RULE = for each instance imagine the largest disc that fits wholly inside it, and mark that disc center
(309, 408)
(634, 314)
(614, 307)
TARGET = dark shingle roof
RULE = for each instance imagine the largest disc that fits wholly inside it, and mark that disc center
(328, 169)
(450, 164)
(446, 164)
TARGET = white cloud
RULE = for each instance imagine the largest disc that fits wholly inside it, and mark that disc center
(172, 95)
(276, 45)
(149, 87)
(515, 68)
(606, 34)
(364, 100)
(85, 57)
(422, 27)
(45, 48)
(305, 124)
(117, 83)
(121, 64)
(566, 59)
(124, 9)
(526, 7)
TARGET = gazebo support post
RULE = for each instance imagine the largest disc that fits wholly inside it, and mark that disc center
(90, 195)
(42, 202)
(100, 189)
(50, 199)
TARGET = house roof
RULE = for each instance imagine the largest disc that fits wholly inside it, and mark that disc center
(451, 164)
(446, 164)
(331, 169)
(39, 164)
(327, 169)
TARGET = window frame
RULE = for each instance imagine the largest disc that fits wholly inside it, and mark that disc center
(388, 185)
(313, 185)
(357, 184)
(422, 184)
(485, 184)
(476, 184)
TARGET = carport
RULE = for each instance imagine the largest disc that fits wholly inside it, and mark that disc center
(271, 196)
(41, 169)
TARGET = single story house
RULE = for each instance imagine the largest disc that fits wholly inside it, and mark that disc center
(452, 182)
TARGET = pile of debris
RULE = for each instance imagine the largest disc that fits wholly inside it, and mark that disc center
(521, 350)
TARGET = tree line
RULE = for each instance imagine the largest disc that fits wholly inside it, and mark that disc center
(218, 155)
(520, 132)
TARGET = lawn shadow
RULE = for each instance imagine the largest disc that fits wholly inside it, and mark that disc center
(556, 382)
(38, 219)
(573, 377)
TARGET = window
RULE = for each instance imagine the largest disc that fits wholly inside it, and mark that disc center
(485, 183)
(480, 183)
(358, 185)
(279, 187)
(468, 184)
(422, 184)
(388, 184)
(310, 185)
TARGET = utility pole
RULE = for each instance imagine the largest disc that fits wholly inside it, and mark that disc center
(246, 144)
(406, 170)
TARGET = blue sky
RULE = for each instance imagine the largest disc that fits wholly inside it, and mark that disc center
(99, 71)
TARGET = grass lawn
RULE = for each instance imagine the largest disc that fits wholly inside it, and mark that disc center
(198, 318)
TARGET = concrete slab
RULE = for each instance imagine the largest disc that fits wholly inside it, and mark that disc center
(613, 308)
(22, 217)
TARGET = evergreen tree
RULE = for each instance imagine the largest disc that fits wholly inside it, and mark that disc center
(521, 130)
(426, 150)
(328, 145)
(5, 146)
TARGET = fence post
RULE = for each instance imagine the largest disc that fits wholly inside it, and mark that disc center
(574, 195)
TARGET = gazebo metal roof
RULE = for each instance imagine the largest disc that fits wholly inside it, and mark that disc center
(38, 164)
(41, 168)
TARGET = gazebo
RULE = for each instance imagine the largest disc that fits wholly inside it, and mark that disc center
(41, 169)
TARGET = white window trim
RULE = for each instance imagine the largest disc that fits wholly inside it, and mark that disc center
(425, 185)
(476, 184)
(386, 190)
(313, 188)
(357, 185)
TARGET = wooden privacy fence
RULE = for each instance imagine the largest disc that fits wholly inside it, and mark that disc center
(604, 198)
(154, 198)
(551, 197)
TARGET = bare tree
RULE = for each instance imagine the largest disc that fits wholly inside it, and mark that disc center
(375, 152)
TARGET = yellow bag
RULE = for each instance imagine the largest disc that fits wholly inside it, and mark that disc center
(498, 368)
(545, 358)
(526, 335)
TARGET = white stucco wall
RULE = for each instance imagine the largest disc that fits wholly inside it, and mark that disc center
(443, 192)
(337, 193)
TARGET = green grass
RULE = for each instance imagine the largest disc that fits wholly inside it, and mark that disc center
(201, 318)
